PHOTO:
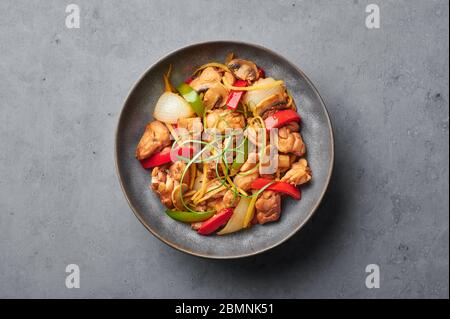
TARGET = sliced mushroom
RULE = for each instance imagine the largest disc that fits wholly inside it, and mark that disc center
(208, 78)
(243, 69)
(216, 96)
(273, 102)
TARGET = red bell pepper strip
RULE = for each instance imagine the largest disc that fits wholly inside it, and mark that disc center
(281, 118)
(188, 80)
(235, 96)
(261, 73)
(278, 187)
(165, 157)
(215, 222)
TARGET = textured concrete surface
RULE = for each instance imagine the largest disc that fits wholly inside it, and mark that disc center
(62, 90)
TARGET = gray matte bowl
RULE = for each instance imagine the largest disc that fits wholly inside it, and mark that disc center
(137, 111)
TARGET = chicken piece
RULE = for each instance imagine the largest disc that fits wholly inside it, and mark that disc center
(299, 173)
(211, 169)
(215, 97)
(155, 138)
(268, 207)
(271, 163)
(189, 129)
(216, 204)
(232, 120)
(230, 199)
(244, 181)
(218, 201)
(256, 135)
(284, 162)
(208, 78)
(201, 207)
(215, 193)
(165, 178)
(191, 124)
(163, 185)
(224, 199)
(243, 69)
(176, 171)
(224, 119)
(293, 126)
(251, 162)
(290, 142)
(254, 159)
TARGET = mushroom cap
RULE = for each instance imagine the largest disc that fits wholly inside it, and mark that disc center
(216, 96)
(243, 69)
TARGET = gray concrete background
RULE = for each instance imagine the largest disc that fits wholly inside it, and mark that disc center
(61, 92)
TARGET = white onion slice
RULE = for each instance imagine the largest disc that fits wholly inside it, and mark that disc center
(236, 222)
(252, 98)
(171, 107)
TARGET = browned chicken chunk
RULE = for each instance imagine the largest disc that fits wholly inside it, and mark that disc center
(299, 173)
(247, 174)
(155, 138)
(224, 199)
(290, 142)
(251, 162)
(293, 126)
(214, 200)
(176, 171)
(208, 78)
(165, 179)
(230, 199)
(211, 169)
(268, 207)
(189, 129)
(223, 119)
(244, 181)
(191, 124)
(163, 185)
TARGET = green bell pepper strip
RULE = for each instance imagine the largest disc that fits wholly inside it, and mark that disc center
(190, 95)
(188, 217)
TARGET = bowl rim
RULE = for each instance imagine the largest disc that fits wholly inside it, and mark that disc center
(137, 212)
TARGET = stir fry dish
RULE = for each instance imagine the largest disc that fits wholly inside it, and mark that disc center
(225, 147)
